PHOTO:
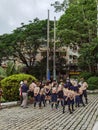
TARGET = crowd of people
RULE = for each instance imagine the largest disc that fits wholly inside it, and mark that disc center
(71, 94)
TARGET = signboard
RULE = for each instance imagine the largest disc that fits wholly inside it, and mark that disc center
(74, 72)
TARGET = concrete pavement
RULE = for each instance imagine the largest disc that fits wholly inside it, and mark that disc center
(17, 118)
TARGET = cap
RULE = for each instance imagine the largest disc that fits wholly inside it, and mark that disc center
(21, 82)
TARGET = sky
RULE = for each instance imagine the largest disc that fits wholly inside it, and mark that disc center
(15, 12)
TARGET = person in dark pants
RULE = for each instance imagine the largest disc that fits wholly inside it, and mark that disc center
(54, 98)
(65, 97)
(70, 101)
(24, 94)
(60, 94)
(37, 98)
(77, 99)
(31, 91)
(42, 97)
(81, 96)
(47, 88)
(64, 103)
(20, 92)
(77, 95)
(84, 87)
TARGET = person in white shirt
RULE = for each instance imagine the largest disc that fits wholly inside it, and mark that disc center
(84, 87)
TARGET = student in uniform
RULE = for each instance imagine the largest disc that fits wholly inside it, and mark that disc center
(37, 98)
(77, 98)
(81, 96)
(47, 89)
(70, 101)
(68, 83)
(31, 91)
(54, 97)
(77, 95)
(65, 97)
(84, 87)
(42, 96)
(60, 94)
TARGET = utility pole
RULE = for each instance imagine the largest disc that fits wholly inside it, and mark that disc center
(47, 71)
(54, 51)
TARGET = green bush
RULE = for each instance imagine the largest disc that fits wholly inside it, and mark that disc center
(93, 83)
(10, 85)
(85, 75)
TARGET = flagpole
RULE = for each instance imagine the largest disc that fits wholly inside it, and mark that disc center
(54, 51)
(97, 27)
(48, 72)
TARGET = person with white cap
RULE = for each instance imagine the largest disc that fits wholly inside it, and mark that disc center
(20, 91)
(24, 93)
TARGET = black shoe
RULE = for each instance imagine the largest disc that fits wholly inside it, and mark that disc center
(71, 112)
(25, 107)
(63, 112)
(83, 105)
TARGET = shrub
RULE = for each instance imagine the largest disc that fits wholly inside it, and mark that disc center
(10, 85)
(85, 75)
(93, 83)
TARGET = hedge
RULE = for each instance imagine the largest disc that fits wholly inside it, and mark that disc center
(85, 75)
(11, 84)
(93, 83)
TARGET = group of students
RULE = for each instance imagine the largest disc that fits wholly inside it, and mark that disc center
(69, 94)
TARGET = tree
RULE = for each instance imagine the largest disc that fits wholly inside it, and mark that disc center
(5, 48)
(89, 56)
(62, 6)
(78, 23)
(24, 43)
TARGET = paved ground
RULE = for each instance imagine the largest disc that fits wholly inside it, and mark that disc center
(95, 126)
(17, 118)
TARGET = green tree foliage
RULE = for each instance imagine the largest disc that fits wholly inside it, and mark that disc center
(78, 23)
(12, 68)
(89, 56)
(5, 47)
(11, 84)
(25, 42)
(62, 6)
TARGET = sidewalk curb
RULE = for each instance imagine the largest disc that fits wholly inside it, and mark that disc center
(9, 104)
(92, 91)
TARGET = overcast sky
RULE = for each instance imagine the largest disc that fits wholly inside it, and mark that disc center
(15, 12)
